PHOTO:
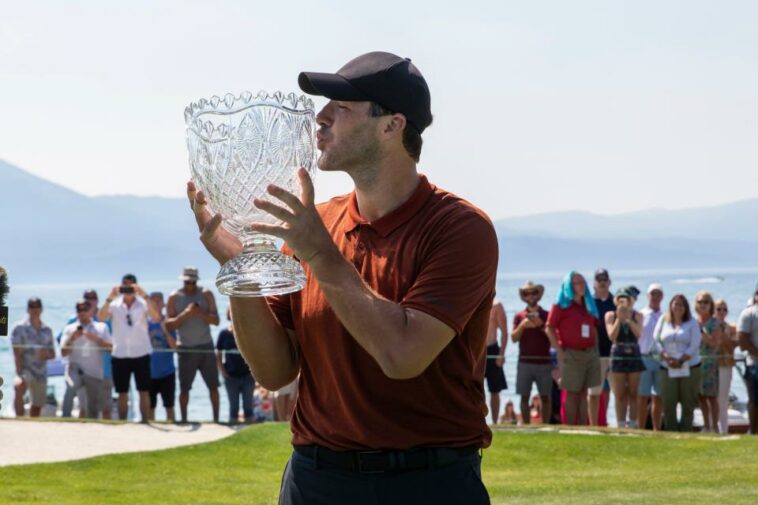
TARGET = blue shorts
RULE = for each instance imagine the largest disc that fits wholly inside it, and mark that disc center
(650, 378)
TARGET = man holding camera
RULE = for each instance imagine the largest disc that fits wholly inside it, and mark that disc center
(127, 308)
(534, 351)
(84, 342)
(191, 310)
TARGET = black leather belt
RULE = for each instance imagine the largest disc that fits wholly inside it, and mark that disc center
(384, 461)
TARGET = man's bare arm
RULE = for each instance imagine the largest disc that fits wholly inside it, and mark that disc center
(269, 349)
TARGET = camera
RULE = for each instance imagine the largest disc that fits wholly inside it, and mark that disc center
(126, 290)
(80, 327)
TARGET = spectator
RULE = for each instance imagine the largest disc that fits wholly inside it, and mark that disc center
(604, 303)
(747, 332)
(33, 346)
(73, 384)
(710, 340)
(127, 309)
(162, 369)
(494, 373)
(509, 415)
(650, 379)
(535, 411)
(534, 350)
(237, 378)
(677, 338)
(83, 342)
(624, 326)
(572, 329)
(191, 310)
(727, 344)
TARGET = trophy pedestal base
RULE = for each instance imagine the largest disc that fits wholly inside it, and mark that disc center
(260, 273)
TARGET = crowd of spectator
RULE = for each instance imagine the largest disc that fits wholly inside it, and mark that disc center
(659, 362)
(134, 334)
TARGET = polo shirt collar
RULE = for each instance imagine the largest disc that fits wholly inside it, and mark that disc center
(390, 222)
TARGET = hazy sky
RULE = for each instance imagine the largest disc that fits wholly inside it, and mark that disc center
(606, 106)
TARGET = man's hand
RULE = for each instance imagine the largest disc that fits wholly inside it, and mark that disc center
(193, 309)
(500, 361)
(217, 240)
(303, 229)
(139, 291)
(114, 292)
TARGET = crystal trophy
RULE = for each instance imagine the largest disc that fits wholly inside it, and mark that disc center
(237, 147)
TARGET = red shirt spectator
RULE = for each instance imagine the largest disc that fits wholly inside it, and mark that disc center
(574, 325)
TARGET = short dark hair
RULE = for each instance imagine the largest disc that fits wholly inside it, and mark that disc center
(412, 140)
(129, 277)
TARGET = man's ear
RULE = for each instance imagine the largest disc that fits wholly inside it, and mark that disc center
(395, 125)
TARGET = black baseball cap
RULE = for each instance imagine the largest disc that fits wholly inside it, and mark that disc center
(385, 78)
(602, 273)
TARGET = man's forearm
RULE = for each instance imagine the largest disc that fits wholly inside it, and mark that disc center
(377, 324)
(264, 343)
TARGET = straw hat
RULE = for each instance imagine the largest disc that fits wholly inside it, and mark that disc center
(529, 286)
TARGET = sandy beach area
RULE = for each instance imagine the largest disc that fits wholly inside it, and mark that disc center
(25, 441)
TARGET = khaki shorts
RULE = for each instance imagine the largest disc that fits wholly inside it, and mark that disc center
(580, 370)
(604, 365)
(37, 390)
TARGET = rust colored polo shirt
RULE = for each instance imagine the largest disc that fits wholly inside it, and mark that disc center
(436, 253)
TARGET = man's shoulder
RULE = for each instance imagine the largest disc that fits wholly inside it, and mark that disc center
(334, 207)
(450, 206)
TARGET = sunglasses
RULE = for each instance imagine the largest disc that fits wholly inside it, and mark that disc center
(190, 282)
(129, 319)
(602, 279)
(82, 309)
(34, 306)
(531, 293)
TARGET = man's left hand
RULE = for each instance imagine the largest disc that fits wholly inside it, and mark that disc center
(302, 227)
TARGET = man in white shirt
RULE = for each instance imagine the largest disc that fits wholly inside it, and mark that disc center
(747, 332)
(650, 379)
(127, 309)
(84, 342)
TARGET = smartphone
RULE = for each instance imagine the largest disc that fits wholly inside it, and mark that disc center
(126, 290)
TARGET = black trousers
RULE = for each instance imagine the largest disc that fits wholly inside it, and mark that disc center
(307, 483)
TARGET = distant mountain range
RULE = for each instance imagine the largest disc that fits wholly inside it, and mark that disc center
(53, 234)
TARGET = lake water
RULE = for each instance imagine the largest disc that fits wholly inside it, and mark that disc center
(735, 286)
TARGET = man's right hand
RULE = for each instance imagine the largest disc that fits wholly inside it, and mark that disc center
(217, 240)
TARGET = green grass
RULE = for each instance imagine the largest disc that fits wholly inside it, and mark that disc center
(520, 467)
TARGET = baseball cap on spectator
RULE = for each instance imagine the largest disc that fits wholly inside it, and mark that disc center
(384, 78)
(82, 304)
(601, 273)
(633, 291)
(90, 294)
(654, 287)
(129, 278)
(34, 303)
